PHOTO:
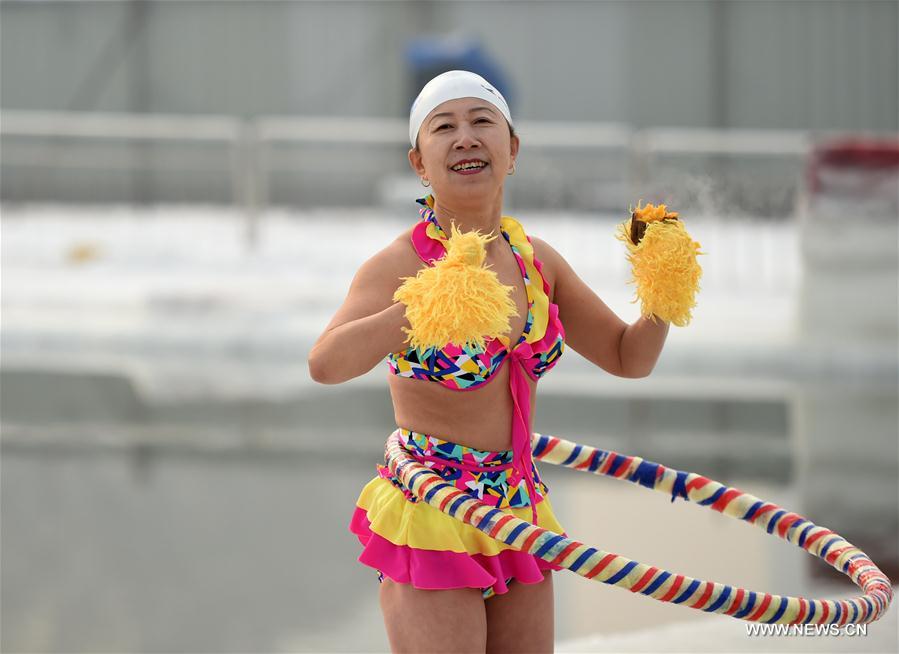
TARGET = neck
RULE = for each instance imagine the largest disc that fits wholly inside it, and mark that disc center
(478, 217)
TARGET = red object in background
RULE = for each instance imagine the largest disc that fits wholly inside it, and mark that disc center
(877, 158)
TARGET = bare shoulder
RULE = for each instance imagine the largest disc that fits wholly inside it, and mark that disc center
(376, 280)
(553, 262)
(399, 256)
(385, 268)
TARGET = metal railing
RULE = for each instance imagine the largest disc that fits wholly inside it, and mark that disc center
(249, 141)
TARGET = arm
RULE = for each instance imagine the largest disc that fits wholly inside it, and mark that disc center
(594, 331)
(367, 326)
(642, 344)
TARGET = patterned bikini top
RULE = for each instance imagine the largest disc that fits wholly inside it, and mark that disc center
(462, 367)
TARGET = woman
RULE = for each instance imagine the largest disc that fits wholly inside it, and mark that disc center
(446, 587)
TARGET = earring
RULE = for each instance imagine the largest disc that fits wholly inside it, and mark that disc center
(512, 172)
(423, 180)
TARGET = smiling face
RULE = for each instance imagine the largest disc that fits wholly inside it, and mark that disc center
(465, 150)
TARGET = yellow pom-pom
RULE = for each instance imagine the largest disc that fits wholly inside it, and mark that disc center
(651, 213)
(663, 261)
(457, 300)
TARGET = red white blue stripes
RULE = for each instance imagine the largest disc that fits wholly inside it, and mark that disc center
(663, 585)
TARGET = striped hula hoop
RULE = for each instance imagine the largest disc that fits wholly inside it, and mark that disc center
(662, 585)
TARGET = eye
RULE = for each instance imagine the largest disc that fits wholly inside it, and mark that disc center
(444, 125)
(484, 119)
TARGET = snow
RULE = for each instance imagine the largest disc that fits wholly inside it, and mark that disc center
(176, 296)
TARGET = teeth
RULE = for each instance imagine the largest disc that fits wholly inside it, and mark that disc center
(470, 165)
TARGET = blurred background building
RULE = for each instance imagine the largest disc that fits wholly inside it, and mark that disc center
(188, 187)
(810, 66)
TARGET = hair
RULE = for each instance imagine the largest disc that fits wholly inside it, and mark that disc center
(511, 134)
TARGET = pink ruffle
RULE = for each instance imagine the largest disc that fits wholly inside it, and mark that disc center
(428, 249)
(434, 570)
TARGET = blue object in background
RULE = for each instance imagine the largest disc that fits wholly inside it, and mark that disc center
(429, 56)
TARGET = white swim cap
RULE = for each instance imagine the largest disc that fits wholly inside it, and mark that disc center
(452, 85)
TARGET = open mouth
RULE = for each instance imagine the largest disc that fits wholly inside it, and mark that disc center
(469, 166)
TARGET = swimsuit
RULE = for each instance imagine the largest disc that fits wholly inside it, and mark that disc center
(434, 550)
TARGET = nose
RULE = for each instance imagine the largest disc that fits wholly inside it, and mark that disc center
(466, 138)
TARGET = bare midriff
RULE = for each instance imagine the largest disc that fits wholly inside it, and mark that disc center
(480, 418)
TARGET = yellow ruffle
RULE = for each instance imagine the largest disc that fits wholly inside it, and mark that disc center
(540, 309)
(420, 525)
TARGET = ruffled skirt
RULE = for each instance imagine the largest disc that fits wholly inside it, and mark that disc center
(412, 542)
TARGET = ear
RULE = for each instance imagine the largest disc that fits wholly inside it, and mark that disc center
(514, 144)
(415, 162)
